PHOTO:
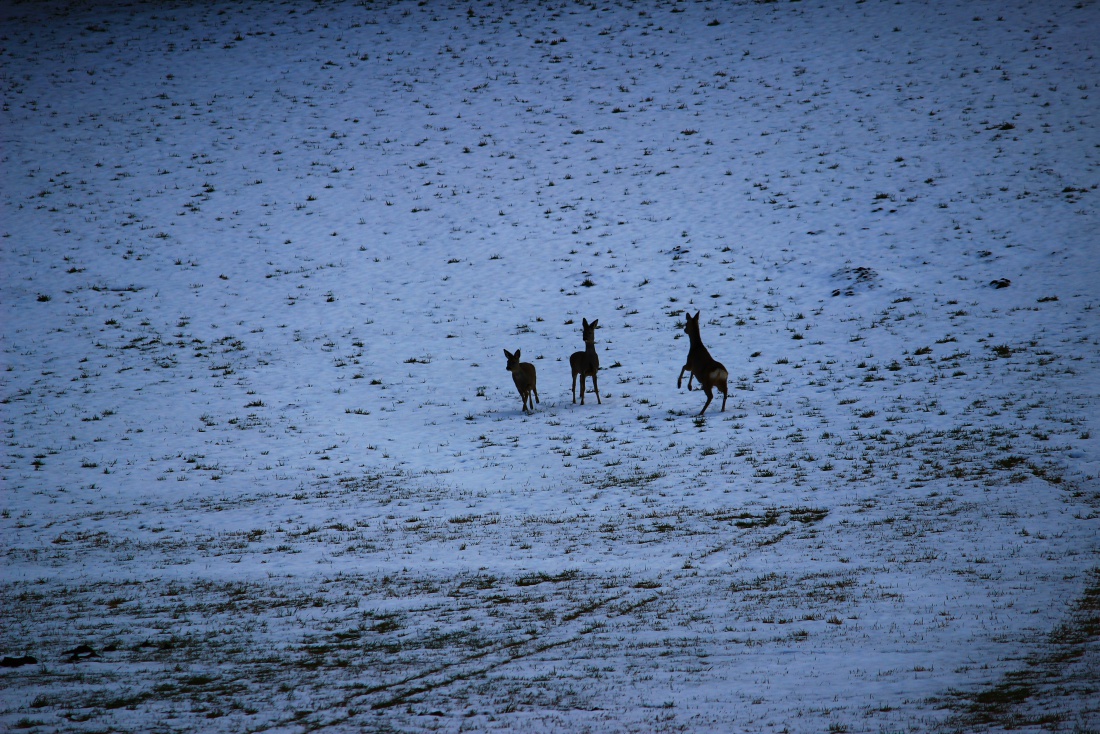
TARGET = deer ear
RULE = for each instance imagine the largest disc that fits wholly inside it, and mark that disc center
(595, 323)
(509, 356)
(697, 315)
(516, 355)
(584, 323)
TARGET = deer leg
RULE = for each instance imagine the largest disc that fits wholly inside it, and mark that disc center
(724, 396)
(582, 388)
(710, 396)
(596, 389)
(691, 376)
(681, 378)
(539, 401)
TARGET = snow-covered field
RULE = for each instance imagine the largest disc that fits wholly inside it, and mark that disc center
(260, 262)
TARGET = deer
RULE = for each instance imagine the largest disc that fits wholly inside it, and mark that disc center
(586, 363)
(523, 374)
(701, 366)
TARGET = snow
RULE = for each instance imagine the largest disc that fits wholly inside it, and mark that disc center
(260, 262)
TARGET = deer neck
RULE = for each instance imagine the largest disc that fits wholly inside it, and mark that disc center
(697, 349)
(590, 355)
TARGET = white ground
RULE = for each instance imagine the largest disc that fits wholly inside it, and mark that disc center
(260, 262)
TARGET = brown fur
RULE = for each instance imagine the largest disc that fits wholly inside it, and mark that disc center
(586, 363)
(523, 374)
(706, 369)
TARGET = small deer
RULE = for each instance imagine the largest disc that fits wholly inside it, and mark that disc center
(706, 369)
(586, 363)
(523, 374)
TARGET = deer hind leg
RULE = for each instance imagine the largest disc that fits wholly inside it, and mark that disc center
(723, 385)
(710, 396)
(574, 388)
(536, 391)
(596, 389)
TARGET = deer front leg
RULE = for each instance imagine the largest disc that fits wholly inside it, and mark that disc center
(596, 389)
(582, 388)
(681, 378)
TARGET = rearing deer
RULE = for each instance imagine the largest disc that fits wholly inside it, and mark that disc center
(523, 374)
(706, 369)
(586, 363)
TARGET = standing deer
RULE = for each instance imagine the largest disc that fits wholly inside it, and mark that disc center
(523, 374)
(710, 372)
(586, 363)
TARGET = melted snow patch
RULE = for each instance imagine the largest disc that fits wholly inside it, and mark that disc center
(855, 280)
